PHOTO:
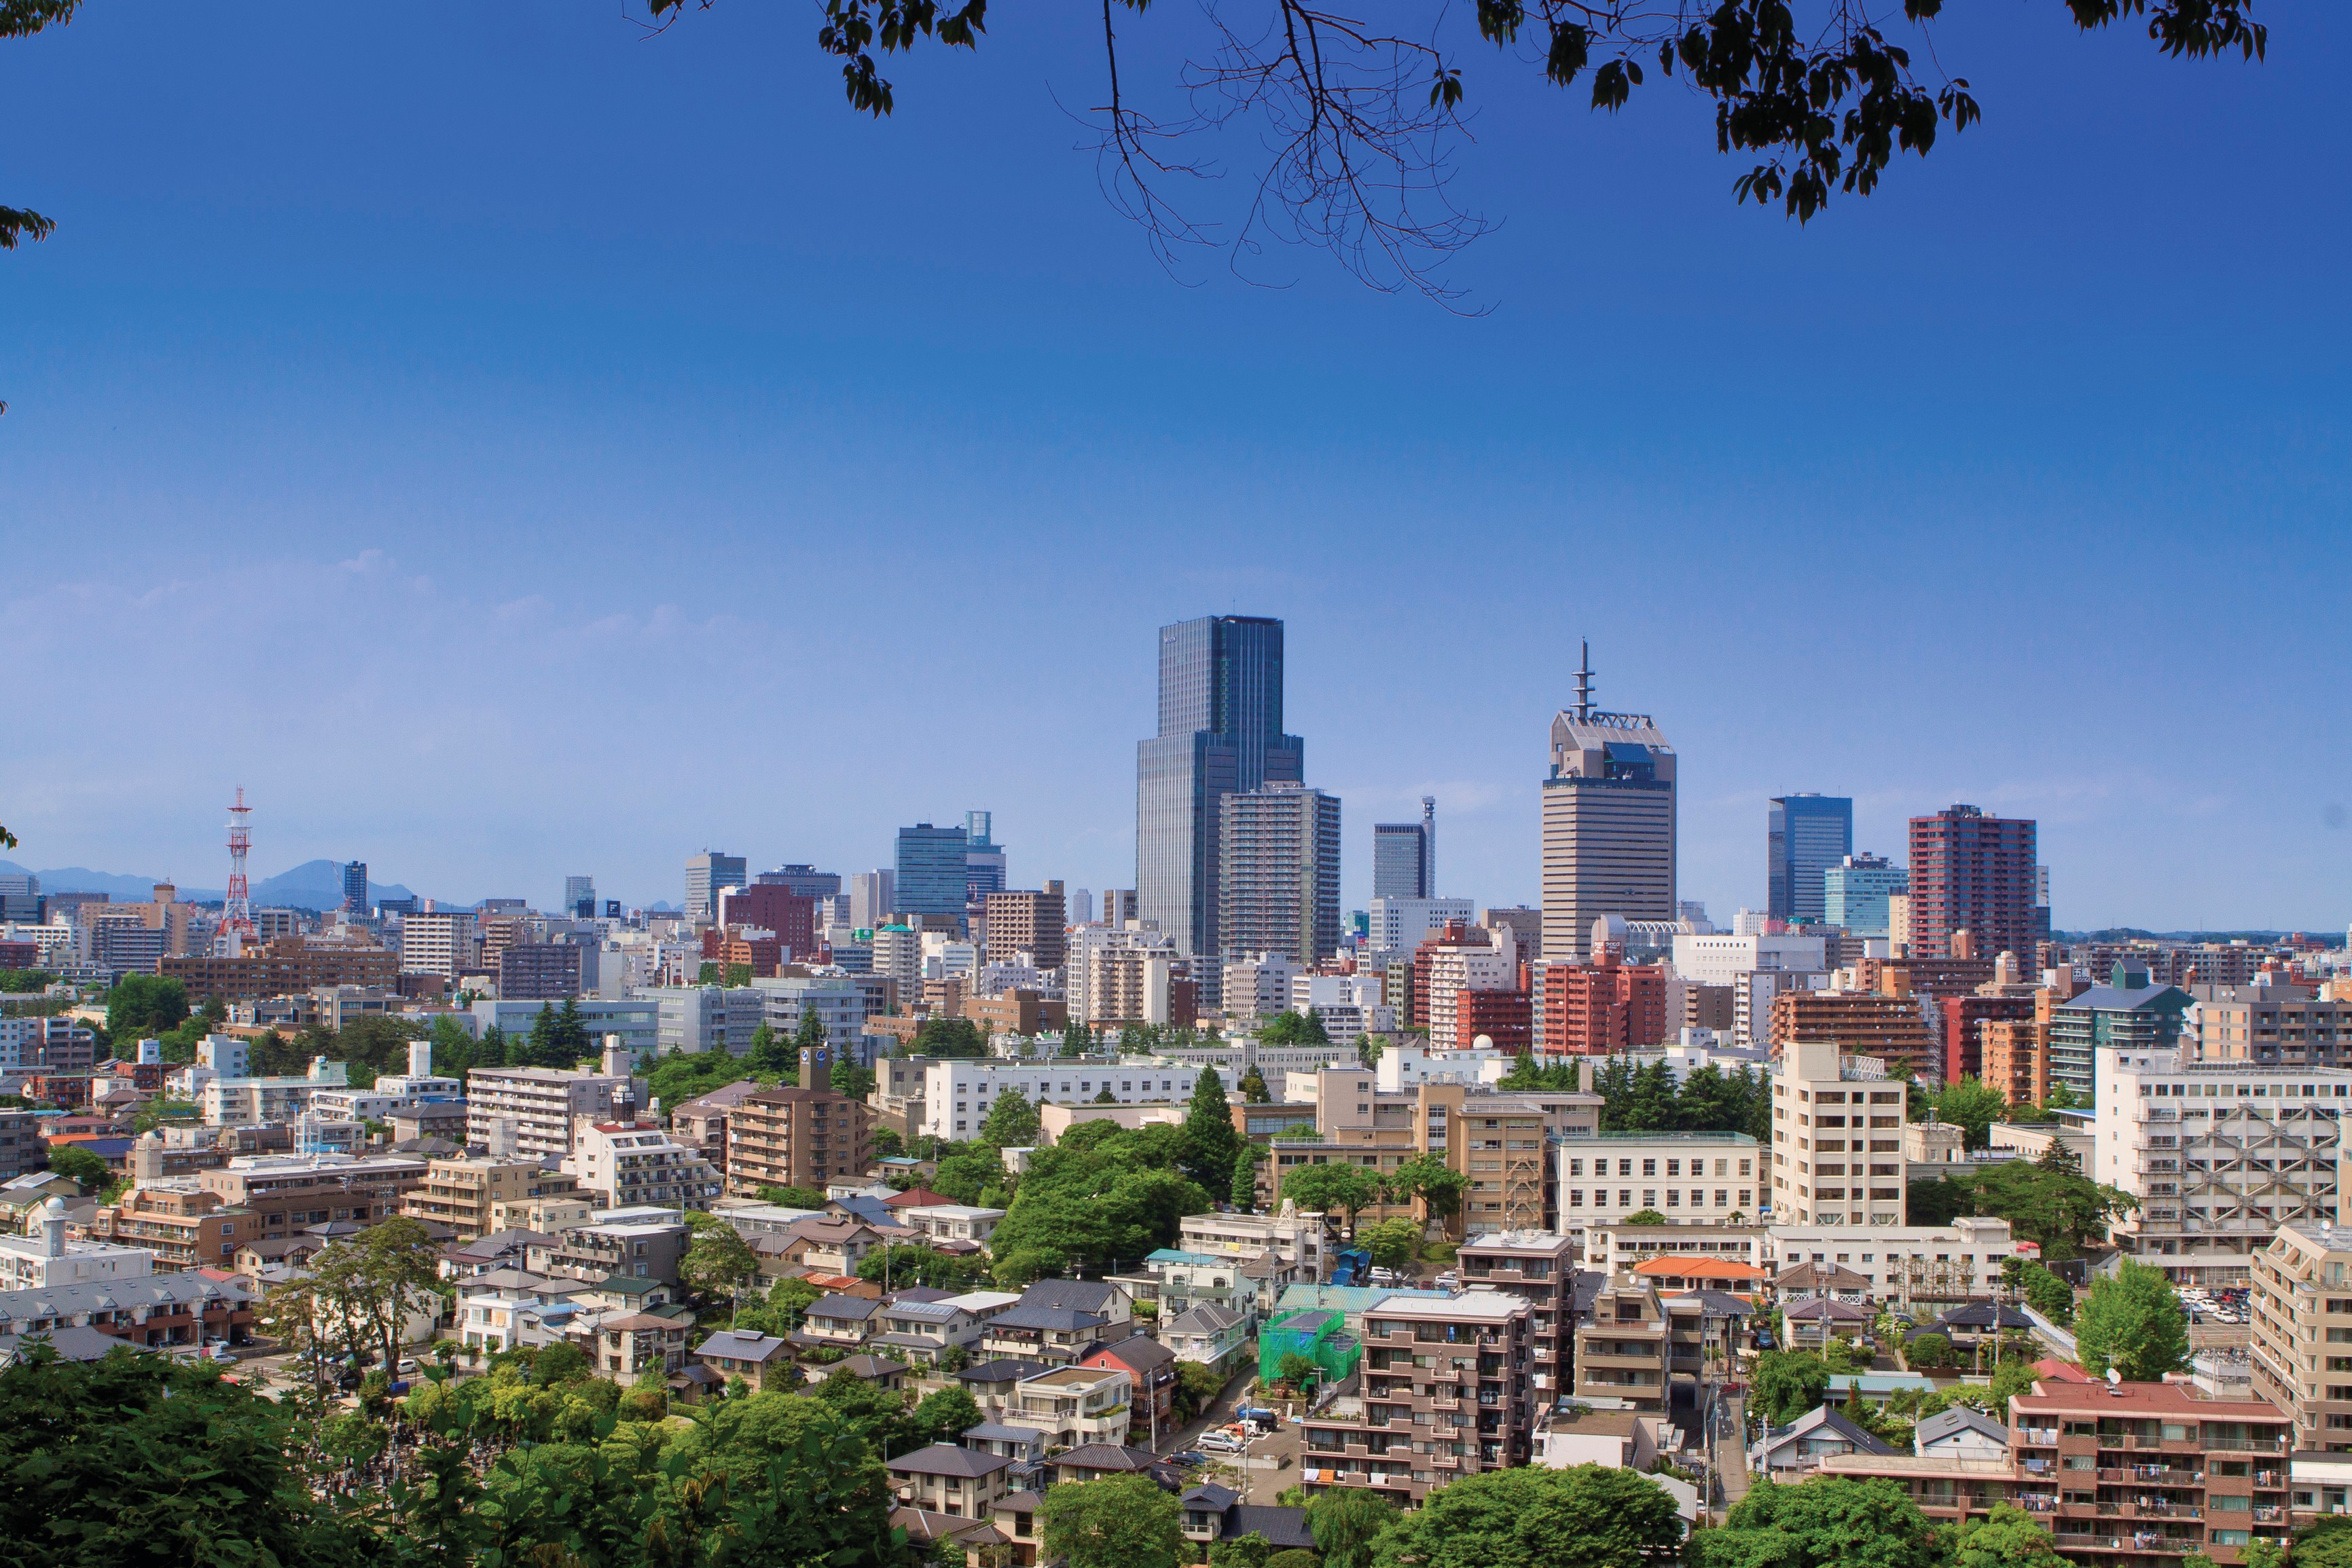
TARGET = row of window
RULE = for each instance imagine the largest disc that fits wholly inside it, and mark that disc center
(1674, 1197)
(1650, 1167)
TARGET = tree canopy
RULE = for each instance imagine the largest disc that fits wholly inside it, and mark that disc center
(2133, 1322)
(1118, 1522)
(2059, 1208)
(1536, 1518)
(1830, 1522)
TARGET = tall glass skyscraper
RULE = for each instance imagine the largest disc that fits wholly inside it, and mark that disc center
(1404, 855)
(933, 871)
(1806, 835)
(1219, 733)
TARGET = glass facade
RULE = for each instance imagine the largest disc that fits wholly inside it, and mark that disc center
(1855, 894)
(1220, 732)
(1400, 862)
(1806, 835)
(931, 871)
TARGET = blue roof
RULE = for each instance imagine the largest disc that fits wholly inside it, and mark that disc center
(1171, 1255)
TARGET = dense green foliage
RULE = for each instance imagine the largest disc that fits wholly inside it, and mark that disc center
(1645, 1099)
(1210, 1140)
(142, 1006)
(1787, 1383)
(81, 1168)
(903, 1264)
(2044, 1203)
(21, 982)
(1966, 1102)
(1118, 1522)
(1831, 1522)
(1010, 1122)
(1294, 1029)
(1345, 1522)
(2007, 1538)
(1536, 1518)
(1102, 1197)
(2133, 1322)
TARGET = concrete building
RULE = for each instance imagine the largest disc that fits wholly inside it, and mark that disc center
(931, 868)
(437, 942)
(1258, 985)
(958, 1093)
(2302, 1333)
(1026, 923)
(1599, 1008)
(695, 1019)
(2128, 1014)
(1692, 1178)
(1539, 1268)
(636, 1165)
(1860, 1024)
(1724, 959)
(1805, 835)
(44, 1258)
(1973, 873)
(1922, 1266)
(1446, 1392)
(1609, 823)
(2274, 1024)
(1402, 924)
(466, 1193)
(2220, 1154)
(1279, 872)
(1855, 893)
(1132, 974)
(796, 1137)
(1219, 733)
(1837, 1138)
(1458, 959)
(531, 1112)
(636, 1020)
(249, 1101)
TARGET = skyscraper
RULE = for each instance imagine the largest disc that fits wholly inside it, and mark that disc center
(1219, 734)
(355, 887)
(1975, 873)
(983, 859)
(1855, 891)
(1404, 855)
(580, 897)
(1608, 824)
(1278, 874)
(1806, 834)
(872, 897)
(706, 874)
(931, 871)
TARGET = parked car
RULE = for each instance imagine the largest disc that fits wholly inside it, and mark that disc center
(1191, 1458)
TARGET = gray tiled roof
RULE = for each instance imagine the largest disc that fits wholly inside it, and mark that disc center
(949, 1459)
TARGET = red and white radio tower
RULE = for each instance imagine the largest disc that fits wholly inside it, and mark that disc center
(236, 910)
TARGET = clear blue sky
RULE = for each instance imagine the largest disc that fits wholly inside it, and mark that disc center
(512, 447)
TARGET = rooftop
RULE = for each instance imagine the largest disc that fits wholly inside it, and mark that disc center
(2154, 1398)
(1740, 1139)
(1470, 1306)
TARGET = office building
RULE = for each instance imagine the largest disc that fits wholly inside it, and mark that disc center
(2220, 1154)
(1837, 1138)
(355, 886)
(983, 858)
(873, 898)
(805, 881)
(1278, 873)
(706, 875)
(1219, 733)
(540, 971)
(1855, 893)
(1805, 835)
(1404, 855)
(695, 1019)
(931, 871)
(635, 1020)
(777, 908)
(1402, 924)
(1692, 1178)
(1526, 927)
(1031, 923)
(580, 897)
(1972, 873)
(1609, 823)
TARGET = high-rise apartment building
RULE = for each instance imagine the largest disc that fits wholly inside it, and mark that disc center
(1598, 1008)
(2130, 1014)
(437, 942)
(1031, 923)
(2302, 1316)
(1860, 1024)
(1975, 873)
(1608, 824)
(1855, 893)
(1404, 855)
(1278, 873)
(983, 858)
(706, 875)
(932, 870)
(1219, 734)
(355, 886)
(1837, 1138)
(796, 1137)
(1805, 835)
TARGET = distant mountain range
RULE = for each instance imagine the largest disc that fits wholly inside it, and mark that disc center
(313, 884)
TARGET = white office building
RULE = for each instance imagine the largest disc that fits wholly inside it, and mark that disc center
(1924, 1265)
(1721, 959)
(1258, 986)
(1692, 1178)
(1400, 924)
(957, 1094)
(695, 1019)
(634, 1019)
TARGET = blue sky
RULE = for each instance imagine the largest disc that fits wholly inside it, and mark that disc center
(510, 446)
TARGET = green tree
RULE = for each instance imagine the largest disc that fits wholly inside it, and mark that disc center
(1253, 1089)
(1787, 1383)
(1331, 1188)
(1120, 1522)
(718, 1261)
(80, 1166)
(2059, 1209)
(1294, 1557)
(1429, 1178)
(1077, 1039)
(1011, 1121)
(946, 1414)
(1828, 1521)
(1929, 1353)
(1250, 1550)
(903, 1265)
(1345, 1522)
(949, 1038)
(1393, 1243)
(1294, 1029)
(1211, 1142)
(793, 1198)
(2048, 1294)
(2133, 1322)
(1536, 1518)
(1245, 1164)
(2007, 1538)
(772, 1057)
(1971, 1106)
(145, 1005)
(1645, 1216)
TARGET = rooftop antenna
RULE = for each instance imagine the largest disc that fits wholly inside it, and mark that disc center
(236, 906)
(1584, 682)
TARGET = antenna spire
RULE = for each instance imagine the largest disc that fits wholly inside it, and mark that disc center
(1584, 682)
(237, 907)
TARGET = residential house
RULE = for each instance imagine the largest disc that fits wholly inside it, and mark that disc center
(1216, 1337)
(1821, 1282)
(951, 1221)
(1790, 1452)
(1152, 1366)
(1212, 1514)
(992, 1384)
(763, 1361)
(950, 1479)
(838, 1320)
(1074, 1406)
(1092, 1462)
(1960, 1433)
(628, 1345)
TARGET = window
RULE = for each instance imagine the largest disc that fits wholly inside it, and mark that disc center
(1649, 1168)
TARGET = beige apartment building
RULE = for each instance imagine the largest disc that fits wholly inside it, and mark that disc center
(796, 1137)
(2301, 1302)
(468, 1195)
(528, 1112)
(1837, 1138)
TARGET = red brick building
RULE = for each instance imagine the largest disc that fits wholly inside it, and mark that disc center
(1506, 1018)
(1963, 1043)
(1975, 873)
(1589, 1010)
(790, 916)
